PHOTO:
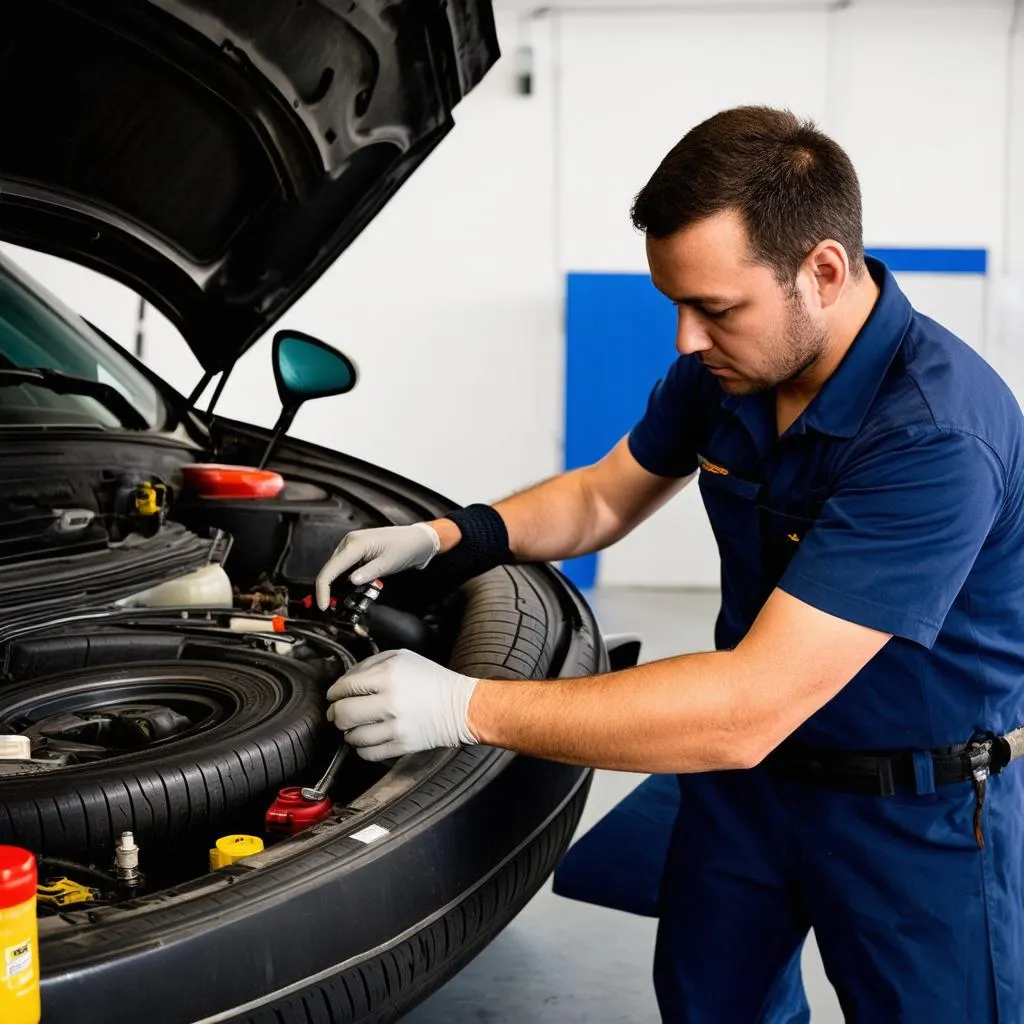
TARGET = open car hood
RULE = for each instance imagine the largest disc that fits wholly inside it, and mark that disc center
(218, 155)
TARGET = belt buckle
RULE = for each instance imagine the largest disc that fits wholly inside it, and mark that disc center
(979, 759)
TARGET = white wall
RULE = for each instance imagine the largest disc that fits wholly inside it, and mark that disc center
(451, 302)
(918, 94)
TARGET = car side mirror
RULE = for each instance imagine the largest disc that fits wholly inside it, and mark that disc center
(305, 368)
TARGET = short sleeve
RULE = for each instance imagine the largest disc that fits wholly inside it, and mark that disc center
(899, 534)
(664, 440)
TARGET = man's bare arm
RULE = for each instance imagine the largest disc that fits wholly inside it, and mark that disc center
(697, 712)
(578, 512)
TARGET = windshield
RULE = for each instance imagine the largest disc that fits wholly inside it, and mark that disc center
(32, 335)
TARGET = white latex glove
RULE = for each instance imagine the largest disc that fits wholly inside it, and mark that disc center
(380, 552)
(398, 703)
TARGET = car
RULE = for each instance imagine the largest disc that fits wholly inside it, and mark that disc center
(206, 851)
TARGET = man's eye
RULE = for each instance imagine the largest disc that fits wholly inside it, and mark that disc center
(720, 314)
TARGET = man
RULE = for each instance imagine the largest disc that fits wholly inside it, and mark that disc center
(840, 755)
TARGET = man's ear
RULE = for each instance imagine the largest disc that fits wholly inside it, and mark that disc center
(829, 268)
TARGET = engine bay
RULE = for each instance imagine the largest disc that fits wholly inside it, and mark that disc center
(162, 711)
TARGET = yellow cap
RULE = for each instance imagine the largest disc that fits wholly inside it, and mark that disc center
(228, 849)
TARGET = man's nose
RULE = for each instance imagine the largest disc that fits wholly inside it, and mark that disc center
(690, 333)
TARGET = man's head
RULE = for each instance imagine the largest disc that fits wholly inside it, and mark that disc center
(753, 225)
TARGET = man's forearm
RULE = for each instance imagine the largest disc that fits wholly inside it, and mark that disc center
(695, 712)
(682, 714)
(556, 519)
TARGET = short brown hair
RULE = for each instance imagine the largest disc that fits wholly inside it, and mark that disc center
(792, 185)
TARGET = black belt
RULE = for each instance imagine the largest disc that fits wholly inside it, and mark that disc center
(884, 773)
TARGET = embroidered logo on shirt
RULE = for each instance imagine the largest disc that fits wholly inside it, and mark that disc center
(711, 467)
(793, 537)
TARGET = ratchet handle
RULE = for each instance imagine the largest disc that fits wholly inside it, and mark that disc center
(323, 786)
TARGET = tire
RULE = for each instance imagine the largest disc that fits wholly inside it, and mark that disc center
(272, 711)
(508, 630)
(324, 928)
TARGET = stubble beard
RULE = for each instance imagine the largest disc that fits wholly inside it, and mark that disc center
(803, 345)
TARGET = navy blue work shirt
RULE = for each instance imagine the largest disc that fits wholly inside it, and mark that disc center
(893, 501)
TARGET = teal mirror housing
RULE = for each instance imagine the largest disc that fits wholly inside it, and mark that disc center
(305, 368)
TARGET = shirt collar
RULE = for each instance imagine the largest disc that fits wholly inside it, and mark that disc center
(843, 402)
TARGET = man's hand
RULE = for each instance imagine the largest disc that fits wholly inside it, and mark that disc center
(398, 703)
(380, 552)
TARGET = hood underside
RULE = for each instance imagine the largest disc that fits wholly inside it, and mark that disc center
(218, 155)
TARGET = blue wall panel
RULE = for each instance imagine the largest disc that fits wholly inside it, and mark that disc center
(620, 338)
(933, 261)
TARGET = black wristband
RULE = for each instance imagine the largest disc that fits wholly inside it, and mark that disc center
(484, 546)
(484, 535)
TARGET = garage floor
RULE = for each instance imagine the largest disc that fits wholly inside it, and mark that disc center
(568, 962)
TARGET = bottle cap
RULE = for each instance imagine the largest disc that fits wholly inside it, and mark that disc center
(17, 876)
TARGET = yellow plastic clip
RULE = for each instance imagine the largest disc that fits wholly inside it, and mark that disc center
(150, 498)
(65, 893)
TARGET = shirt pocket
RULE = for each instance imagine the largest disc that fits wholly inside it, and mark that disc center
(781, 534)
(731, 504)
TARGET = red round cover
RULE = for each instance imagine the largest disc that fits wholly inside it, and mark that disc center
(212, 480)
(17, 876)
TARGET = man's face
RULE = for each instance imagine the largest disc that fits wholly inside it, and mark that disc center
(751, 332)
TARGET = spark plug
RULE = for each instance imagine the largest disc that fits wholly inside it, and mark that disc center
(126, 860)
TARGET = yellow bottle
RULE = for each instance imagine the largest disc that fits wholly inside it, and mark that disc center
(19, 938)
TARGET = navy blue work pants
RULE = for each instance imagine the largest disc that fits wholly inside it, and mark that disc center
(915, 923)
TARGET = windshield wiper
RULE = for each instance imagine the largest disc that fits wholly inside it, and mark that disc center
(70, 384)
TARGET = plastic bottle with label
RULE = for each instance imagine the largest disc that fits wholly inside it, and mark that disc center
(19, 938)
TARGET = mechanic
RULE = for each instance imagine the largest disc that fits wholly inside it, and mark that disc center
(841, 754)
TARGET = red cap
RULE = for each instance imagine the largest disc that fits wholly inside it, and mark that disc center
(213, 480)
(17, 876)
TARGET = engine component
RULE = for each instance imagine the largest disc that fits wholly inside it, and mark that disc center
(286, 538)
(71, 520)
(265, 624)
(263, 599)
(291, 812)
(390, 627)
(229, 849)
(126, 861)
(357, 604)
(257, 624)
(208, 587)
(150, 499)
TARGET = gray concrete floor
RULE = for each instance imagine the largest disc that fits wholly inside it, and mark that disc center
(572, 963)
